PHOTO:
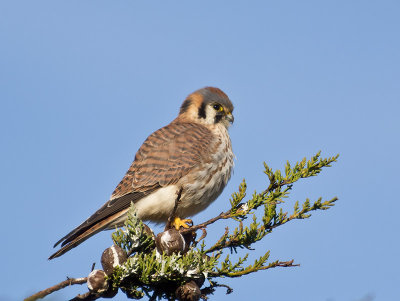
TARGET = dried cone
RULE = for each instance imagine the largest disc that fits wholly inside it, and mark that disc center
(97, 282)
(170, 241)
(188, 292)
(189, 238)
(112, 257)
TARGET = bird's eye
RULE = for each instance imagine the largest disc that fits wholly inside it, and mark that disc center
(218, 107)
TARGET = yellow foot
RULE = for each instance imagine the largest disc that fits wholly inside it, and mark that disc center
(182, 223)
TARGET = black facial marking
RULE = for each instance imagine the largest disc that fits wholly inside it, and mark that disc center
(202, 111)
(218, 118)
(185, 106)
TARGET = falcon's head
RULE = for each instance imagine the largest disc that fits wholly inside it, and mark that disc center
(208, 106)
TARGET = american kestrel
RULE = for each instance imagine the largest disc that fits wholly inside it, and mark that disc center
(191, 155)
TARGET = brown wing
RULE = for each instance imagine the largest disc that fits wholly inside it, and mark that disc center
(170, 153)
(165, 156)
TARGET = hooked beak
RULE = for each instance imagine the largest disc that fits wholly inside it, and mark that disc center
(230, 117)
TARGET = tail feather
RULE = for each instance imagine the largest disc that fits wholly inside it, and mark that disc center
(70, 234)
(78, 235)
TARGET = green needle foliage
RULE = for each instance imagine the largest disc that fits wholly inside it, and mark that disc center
(134, 237)
(149, 273)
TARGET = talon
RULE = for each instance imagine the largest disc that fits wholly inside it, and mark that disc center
(182, 223)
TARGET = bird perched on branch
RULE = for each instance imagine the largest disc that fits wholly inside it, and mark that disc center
(191, 156)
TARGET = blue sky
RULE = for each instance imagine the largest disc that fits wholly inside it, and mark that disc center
(83, 83)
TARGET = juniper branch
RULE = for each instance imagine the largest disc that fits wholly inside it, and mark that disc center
(149, 273)
(54, 288)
